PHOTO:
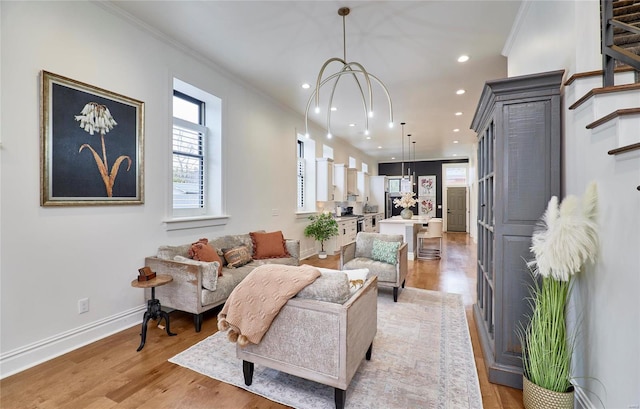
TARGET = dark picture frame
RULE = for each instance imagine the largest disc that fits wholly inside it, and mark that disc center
(91, 145)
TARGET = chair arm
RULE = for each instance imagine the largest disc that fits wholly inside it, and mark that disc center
(347, 253)
(184, 292)
(402, 265)
(293, 247)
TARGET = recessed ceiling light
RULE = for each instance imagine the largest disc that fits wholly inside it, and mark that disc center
(368, 137)
(458, 113)
(463, 58)
(352, 125)
(460, 91)
(334, 109)
(455, 154)
(456, 130)
(306, 86)
(379, 147)
(455, 141)
(393, 157)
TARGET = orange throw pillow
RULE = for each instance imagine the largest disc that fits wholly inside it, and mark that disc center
(268, 245)
(202, 251)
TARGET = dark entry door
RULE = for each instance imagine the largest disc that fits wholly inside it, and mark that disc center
(456, 209)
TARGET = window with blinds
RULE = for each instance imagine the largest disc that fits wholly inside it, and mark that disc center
(300, 167)
(301, 183)
(189, 135)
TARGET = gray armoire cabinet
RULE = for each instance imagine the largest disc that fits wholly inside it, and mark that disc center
(519, 152)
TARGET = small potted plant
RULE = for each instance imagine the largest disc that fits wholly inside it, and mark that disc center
(323, 226)
(566, 239)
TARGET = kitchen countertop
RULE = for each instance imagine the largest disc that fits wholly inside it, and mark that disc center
(400, 220)
(345, 217)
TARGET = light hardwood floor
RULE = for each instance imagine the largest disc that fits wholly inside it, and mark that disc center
(110, 373)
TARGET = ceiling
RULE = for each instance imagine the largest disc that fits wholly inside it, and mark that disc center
(411, 46)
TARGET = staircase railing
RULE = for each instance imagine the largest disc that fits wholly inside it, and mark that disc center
(610, 51)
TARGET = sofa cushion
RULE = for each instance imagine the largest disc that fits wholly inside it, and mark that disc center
(385, 271)
(385, 251)
(237, 256)
(288, 261)
(268, 245)
(209, 271)
(202, 251)
(356, 277)
(231, 241)
(169, 252)
(331, 286)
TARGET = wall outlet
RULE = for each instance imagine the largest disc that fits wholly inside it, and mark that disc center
(83, 305)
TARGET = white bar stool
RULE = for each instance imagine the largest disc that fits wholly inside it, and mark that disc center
(434, 231)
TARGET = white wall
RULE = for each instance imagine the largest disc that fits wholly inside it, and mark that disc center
(605, 303)
(52, 257)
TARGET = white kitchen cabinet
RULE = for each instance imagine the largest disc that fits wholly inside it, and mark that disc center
(347, 231)
(376, 221)
(363, 187)
(352, 182)
(340, 182)
(378, 186)
(368, 223)
(324, 180)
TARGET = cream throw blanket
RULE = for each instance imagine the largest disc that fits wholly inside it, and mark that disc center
(257, 300)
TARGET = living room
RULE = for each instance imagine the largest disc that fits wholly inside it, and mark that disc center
(53, 256)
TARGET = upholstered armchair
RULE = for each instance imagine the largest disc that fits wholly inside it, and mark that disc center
(385, 255)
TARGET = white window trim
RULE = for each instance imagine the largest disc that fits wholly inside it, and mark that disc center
(310, 175)
(181, 223)
(212, 214)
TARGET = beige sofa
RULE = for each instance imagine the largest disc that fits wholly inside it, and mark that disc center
(195, 287)
(321, 341)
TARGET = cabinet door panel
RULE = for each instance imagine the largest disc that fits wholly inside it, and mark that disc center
(525, 192)
(511, 286)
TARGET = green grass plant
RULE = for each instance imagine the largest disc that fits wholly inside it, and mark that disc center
(546, 346)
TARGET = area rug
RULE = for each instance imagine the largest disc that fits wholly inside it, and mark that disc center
(422, 358)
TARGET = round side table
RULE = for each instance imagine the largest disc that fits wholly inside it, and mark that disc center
(154, 309)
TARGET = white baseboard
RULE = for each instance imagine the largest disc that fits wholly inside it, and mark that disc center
(582, 401)
(38, 352)
(307, 254)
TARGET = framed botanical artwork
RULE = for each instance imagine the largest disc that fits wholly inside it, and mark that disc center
(91, 145)
(427, 185)
(426, 206)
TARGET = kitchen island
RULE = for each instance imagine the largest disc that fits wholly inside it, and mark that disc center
(408, 228)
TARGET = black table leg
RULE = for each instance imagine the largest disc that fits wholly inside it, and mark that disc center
(154, 312)
(165, 315)
(143, 335)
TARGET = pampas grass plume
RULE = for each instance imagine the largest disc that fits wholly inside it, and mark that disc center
(567, 236)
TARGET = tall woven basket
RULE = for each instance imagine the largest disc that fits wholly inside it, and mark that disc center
(537, 397)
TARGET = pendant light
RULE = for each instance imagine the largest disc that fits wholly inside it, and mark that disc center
(409, 156)
(402, 140)
(414, 180)
(354, 70)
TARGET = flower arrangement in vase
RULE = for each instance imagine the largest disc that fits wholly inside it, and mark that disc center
(406, 201)
(566, 239)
